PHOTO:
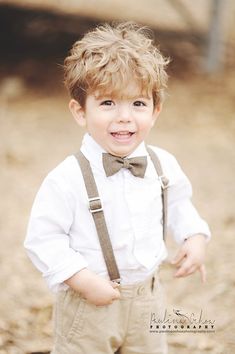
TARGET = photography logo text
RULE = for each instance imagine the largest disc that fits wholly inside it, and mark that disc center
(181, 321)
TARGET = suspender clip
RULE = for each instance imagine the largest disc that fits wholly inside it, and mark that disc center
(164, 182)
(95, 205)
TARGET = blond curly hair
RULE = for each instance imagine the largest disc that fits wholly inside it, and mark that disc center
(109, 57)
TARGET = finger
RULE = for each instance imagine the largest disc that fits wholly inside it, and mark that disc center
(185, 269)
(179, 257)
(186, 272)
(202, 270)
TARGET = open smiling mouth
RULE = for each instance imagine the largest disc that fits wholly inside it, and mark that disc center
(122, 134)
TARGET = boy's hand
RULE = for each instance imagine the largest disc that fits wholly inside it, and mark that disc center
(190, 257)
(95, 289)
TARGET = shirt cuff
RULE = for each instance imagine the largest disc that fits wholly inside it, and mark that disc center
(187, 231)
(207, 236)
(56, 278)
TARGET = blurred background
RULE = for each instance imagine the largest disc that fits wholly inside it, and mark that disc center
(196, 125)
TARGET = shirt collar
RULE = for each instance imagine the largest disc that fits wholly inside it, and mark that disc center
(93, 151)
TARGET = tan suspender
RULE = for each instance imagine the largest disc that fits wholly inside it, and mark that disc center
(164, 185)
(96, 209)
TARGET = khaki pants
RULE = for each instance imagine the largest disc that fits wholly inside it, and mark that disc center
(82, 328)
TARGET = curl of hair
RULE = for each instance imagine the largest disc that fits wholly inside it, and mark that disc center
(109, 57)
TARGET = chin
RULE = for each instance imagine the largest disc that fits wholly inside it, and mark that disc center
(122, 152)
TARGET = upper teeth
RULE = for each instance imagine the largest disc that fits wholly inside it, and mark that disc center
(123, 133)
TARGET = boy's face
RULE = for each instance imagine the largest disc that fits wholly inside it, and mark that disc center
(118, 125)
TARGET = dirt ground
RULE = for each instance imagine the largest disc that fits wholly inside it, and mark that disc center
(37, 132)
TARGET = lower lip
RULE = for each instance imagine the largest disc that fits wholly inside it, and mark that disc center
(122, 138)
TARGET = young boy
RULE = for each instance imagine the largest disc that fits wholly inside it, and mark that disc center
(116, 78)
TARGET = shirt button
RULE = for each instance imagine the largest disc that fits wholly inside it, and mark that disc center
(141, 290)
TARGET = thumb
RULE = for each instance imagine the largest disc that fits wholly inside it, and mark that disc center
(179, 256)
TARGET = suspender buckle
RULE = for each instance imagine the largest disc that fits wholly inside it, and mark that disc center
(164, 182)
(95, 205)
(117, 281)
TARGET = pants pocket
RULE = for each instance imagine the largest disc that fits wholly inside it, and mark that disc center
(69, 314)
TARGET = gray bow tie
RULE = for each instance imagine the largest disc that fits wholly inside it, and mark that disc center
(112, 164)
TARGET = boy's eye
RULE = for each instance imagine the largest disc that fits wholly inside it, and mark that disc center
(139, 104)
(107, 103)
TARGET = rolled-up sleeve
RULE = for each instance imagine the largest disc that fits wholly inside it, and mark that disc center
(47, 241)
(183, 218)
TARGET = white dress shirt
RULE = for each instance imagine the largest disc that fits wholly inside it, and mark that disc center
(62, 239)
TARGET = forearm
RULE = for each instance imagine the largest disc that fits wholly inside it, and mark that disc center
(80, 280)
(94, 288)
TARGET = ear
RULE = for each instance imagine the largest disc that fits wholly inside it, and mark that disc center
(78, 112)
(156, 112)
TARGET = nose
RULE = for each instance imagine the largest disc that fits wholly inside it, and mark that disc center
(124, 114)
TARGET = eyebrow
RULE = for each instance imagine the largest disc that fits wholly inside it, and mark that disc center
(110, 96)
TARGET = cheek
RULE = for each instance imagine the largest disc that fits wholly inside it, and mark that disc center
(145, 125)
(97, 127)
(94, 123)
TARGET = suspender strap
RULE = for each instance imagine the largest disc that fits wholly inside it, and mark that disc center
(164, 185)
(96, 210)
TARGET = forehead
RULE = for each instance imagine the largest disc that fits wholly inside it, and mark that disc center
(131, 90)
